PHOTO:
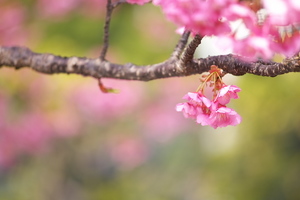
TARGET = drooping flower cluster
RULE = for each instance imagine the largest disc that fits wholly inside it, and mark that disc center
(213, 112)
(214, 17)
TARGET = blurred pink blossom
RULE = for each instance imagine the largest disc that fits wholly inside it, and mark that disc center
(288, 45)
(194, 15)
(65, 123)
(93, 8)
(283, 12)
(103, 107)
(212, 17)
(56, 8)
(8, 152)
(160, 123)
(12, 30)
(32, 130)
(157, 119)
(29, 134)
(139, 2)
(128, 152)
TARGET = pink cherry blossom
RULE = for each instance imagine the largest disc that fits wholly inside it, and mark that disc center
(206, 112)
(194, 15)
(139, 2)
(12, 31)
(189, 110)
(197, 104)
(129, 152)
(197, 107)
(223, 116)
(254, 46)
(282, 12)
(203, 118)
(212, 17)
(93, 104)
(226, 93)
(237, 11)
(289, 46)
(56, 8)
(197, 98)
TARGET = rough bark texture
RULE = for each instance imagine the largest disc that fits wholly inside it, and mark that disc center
(19, 57)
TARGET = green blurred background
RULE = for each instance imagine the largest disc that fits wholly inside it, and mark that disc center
(61, 138)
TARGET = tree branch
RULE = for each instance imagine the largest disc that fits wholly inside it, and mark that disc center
(181, 44)
(20, 57)
(109, 10)
(189, 52)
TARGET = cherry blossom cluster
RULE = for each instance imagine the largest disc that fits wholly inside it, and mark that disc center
(213, 112)
(214, 17)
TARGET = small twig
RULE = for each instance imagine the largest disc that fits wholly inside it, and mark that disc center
(118, 3)
(189, 52)
(109, 10)
(181, 45)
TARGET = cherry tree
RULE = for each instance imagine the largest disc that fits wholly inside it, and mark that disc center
(116, 143)
(272, 27)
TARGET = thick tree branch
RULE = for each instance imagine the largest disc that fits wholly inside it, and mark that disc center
(19, 57)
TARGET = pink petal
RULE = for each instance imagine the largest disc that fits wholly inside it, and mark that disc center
(223, 117)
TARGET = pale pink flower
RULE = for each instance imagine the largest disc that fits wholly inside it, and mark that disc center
(90, 102)
(56, 8)
(258, 44)
(197, 98)
(197, 107)
(194, 15)
(295, 4)
(282, 12)
(189, 110)
(197, 104)
(203, 118)
(139, 2)
(160, 124)
(289, 46)
(93, 8)
(129, 152)
(237, 11)
(226, 93)
(12, 31)
(212, 17)
(277, 11)
(223, 116)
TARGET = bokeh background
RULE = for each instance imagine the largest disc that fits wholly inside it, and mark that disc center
(61, 138)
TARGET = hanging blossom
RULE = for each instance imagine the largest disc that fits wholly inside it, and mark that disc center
(213, 112)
